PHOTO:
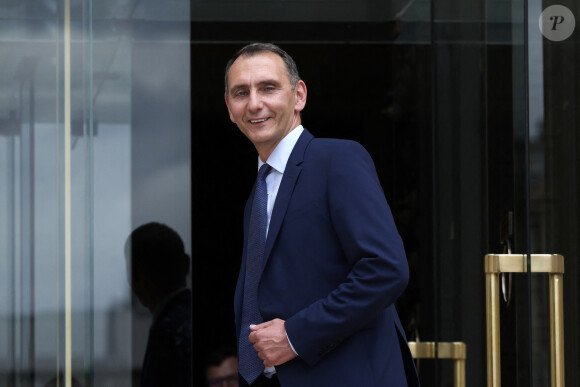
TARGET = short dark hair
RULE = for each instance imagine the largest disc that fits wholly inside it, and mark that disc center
(258, 48)
(157, 251)
(218, 355)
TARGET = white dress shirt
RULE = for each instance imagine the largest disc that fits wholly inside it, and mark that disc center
(278, 160)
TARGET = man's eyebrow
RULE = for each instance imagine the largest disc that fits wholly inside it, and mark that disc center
(239, 86)
(269, 82)
(260, 83)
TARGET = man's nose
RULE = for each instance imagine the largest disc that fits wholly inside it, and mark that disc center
(255, 101)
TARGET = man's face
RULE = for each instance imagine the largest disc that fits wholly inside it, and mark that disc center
(224, 375)
(261, 101)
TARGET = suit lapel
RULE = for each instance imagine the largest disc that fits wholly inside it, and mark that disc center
(291, 173)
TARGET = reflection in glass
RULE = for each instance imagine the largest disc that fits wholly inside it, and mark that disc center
(157, 269)
(129, 124)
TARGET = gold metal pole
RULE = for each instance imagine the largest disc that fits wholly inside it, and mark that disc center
(553, 264)
(67, 197)
(456, 351)
(557, 330)
(459, 373)
(493, 329)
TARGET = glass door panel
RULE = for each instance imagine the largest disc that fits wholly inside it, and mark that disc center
(554, 125)
(528, 92)
(94, 141)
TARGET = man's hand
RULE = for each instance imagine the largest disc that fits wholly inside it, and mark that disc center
(271, 343)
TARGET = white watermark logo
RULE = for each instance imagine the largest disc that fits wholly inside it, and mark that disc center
(557, 23)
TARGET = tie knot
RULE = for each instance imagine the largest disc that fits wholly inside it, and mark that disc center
(263, 172)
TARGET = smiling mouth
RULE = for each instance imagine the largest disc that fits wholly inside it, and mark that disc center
(259, 121)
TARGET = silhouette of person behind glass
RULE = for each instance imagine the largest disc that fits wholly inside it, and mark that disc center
(158, 267)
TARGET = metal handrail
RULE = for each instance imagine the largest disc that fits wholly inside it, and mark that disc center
(443, 350)
(552, 264)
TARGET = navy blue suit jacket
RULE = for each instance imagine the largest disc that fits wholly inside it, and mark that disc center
(334, 267)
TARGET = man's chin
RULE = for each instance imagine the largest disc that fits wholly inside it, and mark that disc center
(259, 135)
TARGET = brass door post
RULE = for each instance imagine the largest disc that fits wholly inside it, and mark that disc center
(553, 264)
(440, 350)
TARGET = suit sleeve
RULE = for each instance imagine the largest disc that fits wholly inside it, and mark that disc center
(374, 251)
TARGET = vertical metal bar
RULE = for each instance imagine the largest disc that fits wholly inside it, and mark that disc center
(67, 195)
(20, 249)
(528, 189)
(26, 226)
(88, 132)
(58, 351)
(557, 330)
(459, 373)
(434, 185)
(493, 337)
(31, 259)
(11, 255)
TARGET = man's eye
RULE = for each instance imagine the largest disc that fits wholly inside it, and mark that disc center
(240, 93)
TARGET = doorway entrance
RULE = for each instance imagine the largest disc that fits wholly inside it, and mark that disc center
(465, 117)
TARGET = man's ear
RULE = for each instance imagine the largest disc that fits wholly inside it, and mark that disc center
(300, 96)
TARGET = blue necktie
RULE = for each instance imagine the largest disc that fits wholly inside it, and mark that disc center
(250, 365)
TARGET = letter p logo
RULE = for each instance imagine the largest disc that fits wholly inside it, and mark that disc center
(557, 20)
(557, 23)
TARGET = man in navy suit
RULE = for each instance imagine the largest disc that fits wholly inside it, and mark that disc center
(333, 264)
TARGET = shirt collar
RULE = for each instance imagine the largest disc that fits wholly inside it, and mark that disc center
(280, 155)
